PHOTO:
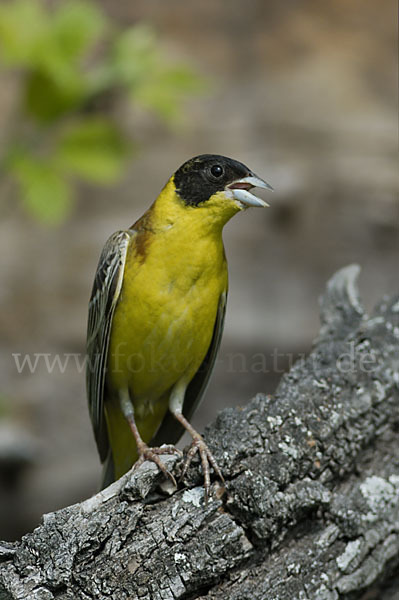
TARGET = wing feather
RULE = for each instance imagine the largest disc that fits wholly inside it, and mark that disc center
(105, 293)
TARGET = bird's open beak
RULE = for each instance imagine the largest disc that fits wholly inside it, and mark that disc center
(240, 190)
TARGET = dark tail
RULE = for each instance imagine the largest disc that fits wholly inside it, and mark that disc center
(108, 471)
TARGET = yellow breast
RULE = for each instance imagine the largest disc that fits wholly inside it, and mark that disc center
(163, 323)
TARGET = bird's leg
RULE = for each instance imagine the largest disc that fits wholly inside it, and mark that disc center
(197, 445)
(145, 452)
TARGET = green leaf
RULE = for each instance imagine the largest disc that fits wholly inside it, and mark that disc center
(22, 24)
(52, 46)
(77, 26)
(31, 35)
(45, 193)
(74, 28)
(134, 54)
(151, 81)
(46, 100)
(94, 150)
(164, 92)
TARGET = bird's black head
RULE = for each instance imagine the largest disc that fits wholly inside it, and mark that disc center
(202, 176)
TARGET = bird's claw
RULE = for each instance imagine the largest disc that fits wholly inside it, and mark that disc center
(152, 454)
(199, 445)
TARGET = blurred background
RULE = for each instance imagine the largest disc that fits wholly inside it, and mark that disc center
(99, 104)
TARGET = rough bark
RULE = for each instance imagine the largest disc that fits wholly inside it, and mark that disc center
(310, 508)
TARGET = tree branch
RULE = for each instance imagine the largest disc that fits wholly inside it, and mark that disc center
(311, 504)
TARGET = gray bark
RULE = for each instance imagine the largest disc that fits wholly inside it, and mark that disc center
(310, 509)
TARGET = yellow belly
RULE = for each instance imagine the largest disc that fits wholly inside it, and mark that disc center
(162, 328)
(159, 336)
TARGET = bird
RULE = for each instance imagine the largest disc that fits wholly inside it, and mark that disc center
(156, 316)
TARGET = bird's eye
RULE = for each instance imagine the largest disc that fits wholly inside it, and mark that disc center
(217, 170)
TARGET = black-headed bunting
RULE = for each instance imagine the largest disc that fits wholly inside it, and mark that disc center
(156, 316)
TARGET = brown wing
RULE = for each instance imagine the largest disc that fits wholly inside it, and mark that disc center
(106, 289)
(170, 430)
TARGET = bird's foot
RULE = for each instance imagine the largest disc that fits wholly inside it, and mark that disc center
(153, 454)
(199, 445)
